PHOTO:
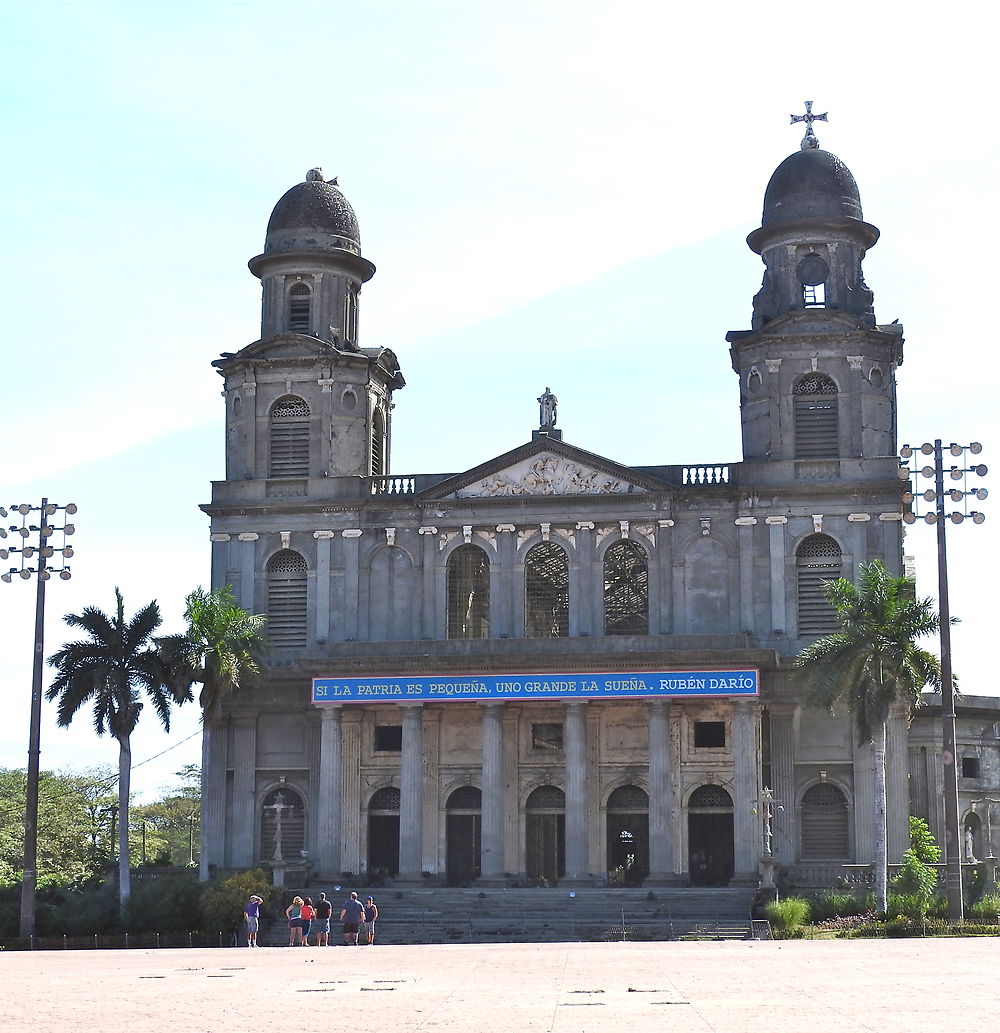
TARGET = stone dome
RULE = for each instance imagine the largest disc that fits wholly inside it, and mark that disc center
(811, 184)
(313, 216)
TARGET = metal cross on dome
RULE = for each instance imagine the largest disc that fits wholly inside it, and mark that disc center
(810, 140)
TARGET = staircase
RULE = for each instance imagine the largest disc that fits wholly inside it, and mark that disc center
(446, 915)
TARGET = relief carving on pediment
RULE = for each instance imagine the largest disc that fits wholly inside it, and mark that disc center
(547, 475)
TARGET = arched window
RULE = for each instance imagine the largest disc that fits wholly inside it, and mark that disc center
(816, 419)
(378, 443)
(824, 824)
(813, 272)
(299, 308)
(626, 590)
(282, 826)
(385, 800)
(289, 455)
(546, 592)
(710, 798)
(468, 593)
(817, 561)
(286, 600)
(628, 798)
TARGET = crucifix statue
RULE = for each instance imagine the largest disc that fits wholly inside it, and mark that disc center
(810, 140)
(279, 806)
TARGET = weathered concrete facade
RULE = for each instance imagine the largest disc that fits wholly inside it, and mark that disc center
(518, 566)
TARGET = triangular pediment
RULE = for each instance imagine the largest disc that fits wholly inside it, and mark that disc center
(545, 466)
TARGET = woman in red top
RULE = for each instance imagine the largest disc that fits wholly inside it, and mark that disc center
(306, 915)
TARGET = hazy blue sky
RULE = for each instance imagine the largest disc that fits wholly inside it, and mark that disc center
(554, 194)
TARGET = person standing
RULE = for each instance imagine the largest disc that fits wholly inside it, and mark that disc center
(306, 916)
(352, 914)
(293, 913)
(371, 913)
(321, 923)
(251, 915)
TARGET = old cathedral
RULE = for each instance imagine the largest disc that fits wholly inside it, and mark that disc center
(554, 668)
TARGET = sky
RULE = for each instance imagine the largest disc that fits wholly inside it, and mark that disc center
(554, 194)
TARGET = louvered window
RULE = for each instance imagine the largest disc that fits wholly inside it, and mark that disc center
(468, 593)
(546, 592)
(299, 308)
(289, 455)
(816, 417)
(286, 600)
(818, 560)
(626, 590)
(824, 824)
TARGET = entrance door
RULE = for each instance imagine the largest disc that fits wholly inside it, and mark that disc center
(545, 842)
(710, 836)
(383, 834)
(628, 849)
(463, 832)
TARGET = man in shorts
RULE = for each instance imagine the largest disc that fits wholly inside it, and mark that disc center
(252, 918)
(352, 914)
(321, 923)
(368, 927)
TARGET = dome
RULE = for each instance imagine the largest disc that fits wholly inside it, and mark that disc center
(811, 184)
(312, 216)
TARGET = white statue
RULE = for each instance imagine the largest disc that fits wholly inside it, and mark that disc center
(547, 410)
(970, 845)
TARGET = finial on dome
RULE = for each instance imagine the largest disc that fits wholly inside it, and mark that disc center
(314, 176)
(810, 141)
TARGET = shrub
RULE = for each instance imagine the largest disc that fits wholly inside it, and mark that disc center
(986, 909)
(222, 902)
(170, 903)
(787, 916)
(835, 905)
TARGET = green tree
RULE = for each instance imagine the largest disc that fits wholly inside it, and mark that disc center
(113, 669)
(872, 663)
(219, 650)
(172, 822)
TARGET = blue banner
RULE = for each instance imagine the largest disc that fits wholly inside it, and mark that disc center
(432, 688)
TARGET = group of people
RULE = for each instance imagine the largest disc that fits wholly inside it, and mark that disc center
(306, 919)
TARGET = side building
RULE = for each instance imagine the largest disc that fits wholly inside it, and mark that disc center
(553, 667)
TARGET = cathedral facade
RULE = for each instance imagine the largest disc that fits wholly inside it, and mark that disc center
(553, 667)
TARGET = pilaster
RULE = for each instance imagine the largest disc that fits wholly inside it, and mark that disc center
(350, 790)
(244, 790)
(776, 542)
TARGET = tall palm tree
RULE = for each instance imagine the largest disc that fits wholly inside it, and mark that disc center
(220, 650)
(114, 668)
(872, 663)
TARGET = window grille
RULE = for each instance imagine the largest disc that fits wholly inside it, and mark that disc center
(547, 736)
(824, 823)
(299, 308)
(546, 798)
(286, 600)
(546, 592)
(465, 798)
(626, 590)
(628, 798)
(385, 799)
(818, 560)
(468, 593)
(289, 455)
(710, 797)
(816, 417)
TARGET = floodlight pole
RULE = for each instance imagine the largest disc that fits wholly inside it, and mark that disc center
(949, 766)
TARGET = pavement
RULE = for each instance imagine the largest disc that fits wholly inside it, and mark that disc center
(818, 986)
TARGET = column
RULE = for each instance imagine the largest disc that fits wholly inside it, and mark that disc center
(411, 787)
(327, 797)
(660, 817)
(744, 537)
(576, 792)
(213, 798)
(586, 610)
(350, 790)
(244, 790)
(675, 720)
(492, 859)
(864, 800)
(746, 791)
(513, 848)
(352, 548)
(785, 832)
(776, 526)
(323, 584)
(897, 789)
(502, 608)
(220, 559)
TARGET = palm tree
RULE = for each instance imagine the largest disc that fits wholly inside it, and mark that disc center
(870, 664)
(112, 669)
(219, 650)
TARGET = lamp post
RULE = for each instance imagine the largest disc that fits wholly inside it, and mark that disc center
(937, 498)
(40, 549)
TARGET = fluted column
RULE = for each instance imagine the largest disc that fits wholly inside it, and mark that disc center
(492, 859)
(661, 821)
(897, 789)
(350, 790)
(244, 786)
(576, 791)
(411, 788)
(746, 791)
(327, 849)
(783, 823)
(864, 800)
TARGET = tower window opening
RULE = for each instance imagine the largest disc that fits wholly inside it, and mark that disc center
(816, 407)
(289, 440)
(814, 295)
(286, 600)
(299, 308)
(817, 560)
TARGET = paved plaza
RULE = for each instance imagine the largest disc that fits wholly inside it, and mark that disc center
(888, 986)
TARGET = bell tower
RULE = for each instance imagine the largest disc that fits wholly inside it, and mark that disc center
(817, 374)
(306, 400)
